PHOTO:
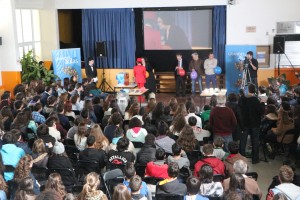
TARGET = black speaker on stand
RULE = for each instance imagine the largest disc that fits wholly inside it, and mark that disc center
(101, 53)
(278, 48)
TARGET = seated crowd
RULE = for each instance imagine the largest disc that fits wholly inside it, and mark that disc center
(75, 136)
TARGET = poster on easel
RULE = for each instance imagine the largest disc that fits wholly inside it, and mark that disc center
(67, 63)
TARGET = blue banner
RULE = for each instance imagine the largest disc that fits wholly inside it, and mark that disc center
(233, 55)
(67, 63)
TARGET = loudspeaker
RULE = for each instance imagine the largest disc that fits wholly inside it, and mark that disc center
(0, 40)
(279, 45)
(101, 49)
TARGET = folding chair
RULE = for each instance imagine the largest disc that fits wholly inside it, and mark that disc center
(111, 179)
(69, 142)
(168, 197)
(218, 178)
(40, 173)
(138, 144)
(84, 167)
(252, 175)
(152, 180)
(140, 170)
(67, 177)
(184, 173)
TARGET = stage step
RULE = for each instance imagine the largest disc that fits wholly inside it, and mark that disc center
(165, 82)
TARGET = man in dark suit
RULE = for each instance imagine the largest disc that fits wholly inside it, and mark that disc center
(90, 70)
(180, 80)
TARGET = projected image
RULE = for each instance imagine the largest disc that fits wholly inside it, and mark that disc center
(177, 30)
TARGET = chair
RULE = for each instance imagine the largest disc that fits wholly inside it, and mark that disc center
(84, 167)
(77, 189)
(111, 179)
(168, 197)
(76, 112)
(184, 173)
(72, 153)
(69, 142)
(218, 178)
(138, 144)
(39, 173)
(140, 170)
(67, 176)
(285, 143)
(252, 175)
(213, 198)
(9, 168)
(152, 180)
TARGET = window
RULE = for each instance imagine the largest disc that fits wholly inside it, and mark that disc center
(28, 31)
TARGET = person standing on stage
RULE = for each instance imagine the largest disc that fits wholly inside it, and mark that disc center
(252, 65)
(150, 81)
(196, 64)
(180, 80)
(139, 72)
(209, 66)
(90, 70)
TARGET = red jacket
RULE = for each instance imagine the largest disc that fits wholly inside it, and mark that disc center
(139, 72)
(157, 171)
(217, 165)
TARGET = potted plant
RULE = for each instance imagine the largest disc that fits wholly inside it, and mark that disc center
(32, 70)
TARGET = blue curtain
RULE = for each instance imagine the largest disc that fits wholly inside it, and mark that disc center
(219, 34)
(116, 27)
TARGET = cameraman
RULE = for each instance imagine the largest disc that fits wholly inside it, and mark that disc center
(252, 66)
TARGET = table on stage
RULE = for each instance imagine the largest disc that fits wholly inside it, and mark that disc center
(122, 86)
(208, 93)
(137, 92)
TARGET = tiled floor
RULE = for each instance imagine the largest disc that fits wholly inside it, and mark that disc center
(266, 170)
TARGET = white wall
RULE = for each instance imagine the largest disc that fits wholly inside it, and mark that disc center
(8, 49)
(79, 4)
(262, 14)
(49, 30)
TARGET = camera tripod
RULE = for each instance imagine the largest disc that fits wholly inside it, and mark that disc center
(246, 76)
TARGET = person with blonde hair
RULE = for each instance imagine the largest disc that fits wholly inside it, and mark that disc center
(89, 191)
(55, 183)
(101, 141)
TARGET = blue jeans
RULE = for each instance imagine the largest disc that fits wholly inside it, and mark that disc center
(211, 78)
(194, 83)
(226, 139)
(254, 133)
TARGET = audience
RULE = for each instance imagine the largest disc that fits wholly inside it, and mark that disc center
(179, 156)
(234, 155)
(157, 168)
(147, 152)
(171, 185)
(223, 121)
(193, 186)
(121, 156)
(162, 140)
(121, 193)
(218, 148)
(217, 165)
(55, 183)
(129, 173)
(136, 133)
(90, 188)
(40, 118)
(286, 187)
(251, 186)
(207, 186)
(91, 153)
